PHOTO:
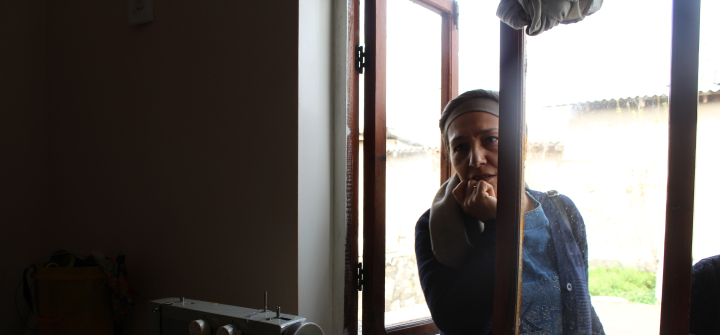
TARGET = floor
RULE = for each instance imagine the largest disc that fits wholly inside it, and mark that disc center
(628, 318)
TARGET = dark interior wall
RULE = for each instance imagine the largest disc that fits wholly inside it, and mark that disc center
(176, 143)
(23, 146)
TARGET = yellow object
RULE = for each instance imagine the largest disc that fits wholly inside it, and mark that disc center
(73, 301)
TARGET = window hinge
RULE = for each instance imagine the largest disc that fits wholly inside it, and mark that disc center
(359, 58)
(360, 276)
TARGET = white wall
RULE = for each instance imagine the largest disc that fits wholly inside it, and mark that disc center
(340, 138)
(177, 160)
(315, 155)
(172, 142)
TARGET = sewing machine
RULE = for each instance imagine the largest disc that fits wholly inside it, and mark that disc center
(171, 316)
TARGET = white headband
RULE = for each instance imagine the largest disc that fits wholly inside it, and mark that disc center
(473, 105)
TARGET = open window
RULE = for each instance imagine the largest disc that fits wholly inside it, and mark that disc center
(381, 143)
(681, 113)
(409, 65)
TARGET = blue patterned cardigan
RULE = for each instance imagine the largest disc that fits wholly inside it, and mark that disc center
(461, 301)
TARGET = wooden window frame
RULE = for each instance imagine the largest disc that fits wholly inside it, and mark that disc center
(677, 273)
(683, 102)
(509, 235)
(374, 160)
(350, 301)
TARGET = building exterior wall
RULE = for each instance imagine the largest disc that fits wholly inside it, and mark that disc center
(413, 177)
(612, 164)
(614, 167)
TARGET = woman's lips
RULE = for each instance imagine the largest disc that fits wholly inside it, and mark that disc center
(485, 177)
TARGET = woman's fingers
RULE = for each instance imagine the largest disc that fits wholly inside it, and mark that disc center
(487, 188)
(459, 192)
(487, 200)
(464, 191)
(471, 190)
(483, 187)
(477, 198)
(490, 190)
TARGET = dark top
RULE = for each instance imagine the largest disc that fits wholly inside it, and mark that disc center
(461, 301)
(705, 297)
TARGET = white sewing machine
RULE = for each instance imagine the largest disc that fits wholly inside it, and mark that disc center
(171, 316)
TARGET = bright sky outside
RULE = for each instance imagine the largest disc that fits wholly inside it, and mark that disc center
(621, 51)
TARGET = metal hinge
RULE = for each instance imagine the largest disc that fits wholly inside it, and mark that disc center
(360, 276)
(359, 58)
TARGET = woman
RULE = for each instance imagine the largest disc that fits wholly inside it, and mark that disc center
(455, 239)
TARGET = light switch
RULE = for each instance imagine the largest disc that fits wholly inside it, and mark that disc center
(139, 12)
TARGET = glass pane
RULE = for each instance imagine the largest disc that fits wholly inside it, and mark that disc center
(705, 227)
(413, 148)
(597, 120)
(704, 230)
(479, 52)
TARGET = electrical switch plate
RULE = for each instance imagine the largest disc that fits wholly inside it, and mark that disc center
(139, 12)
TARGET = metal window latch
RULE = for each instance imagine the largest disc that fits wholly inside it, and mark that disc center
(360, 276)
(360, 58)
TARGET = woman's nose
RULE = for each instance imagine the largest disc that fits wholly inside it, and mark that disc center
(477, 156)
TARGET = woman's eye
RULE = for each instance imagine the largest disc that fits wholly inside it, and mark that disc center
(491, 139)
(458, 147)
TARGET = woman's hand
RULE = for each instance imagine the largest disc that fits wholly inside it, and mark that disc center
(477, 199)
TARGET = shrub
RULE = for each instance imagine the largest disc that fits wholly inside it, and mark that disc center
(634, 285)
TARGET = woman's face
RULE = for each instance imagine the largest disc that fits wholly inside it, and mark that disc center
(473, 141)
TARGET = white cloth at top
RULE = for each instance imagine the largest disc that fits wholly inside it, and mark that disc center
(542, 15)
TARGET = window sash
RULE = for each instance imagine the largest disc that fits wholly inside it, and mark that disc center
(681, 175)
(373, 297)
(677, 273)
(350, 301)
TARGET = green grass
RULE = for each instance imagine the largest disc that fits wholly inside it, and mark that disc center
(634, 285)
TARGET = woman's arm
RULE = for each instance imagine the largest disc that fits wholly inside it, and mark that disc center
(460, 301)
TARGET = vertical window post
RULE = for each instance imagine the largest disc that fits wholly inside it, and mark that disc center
(450, 69)
(373, 298)
(509, 234)
(675, 310)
